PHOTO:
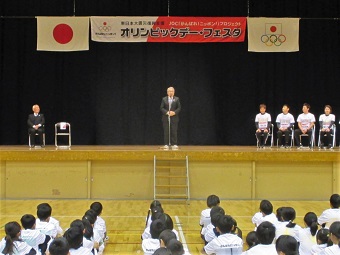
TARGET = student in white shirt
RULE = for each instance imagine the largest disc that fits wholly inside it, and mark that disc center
(165, 236)
(306, 121)
(211, 232)
(176, 247)
(150, 245)
(287, 227)
(265, 214)
(334, 229)
(251, 240)
(88, 241)
(12, 244)
(262, 123)
(265, 233)
(169, 224)
(90, 215)
(53, 220)
(32, 236)
(74, 237)
(226, 242)
(322, 240)
(205, 219)
(100, 224)
(330, 215)
(59, 246)
(154, 204)
(326, 121)
(43, 223)
(307, 234)
(155, 212)
(287, 245)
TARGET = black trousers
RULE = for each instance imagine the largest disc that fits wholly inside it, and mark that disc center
(173, 130)
(32, 132)
(280, 133)
(326, 137)
(297, 134)
(261, 137)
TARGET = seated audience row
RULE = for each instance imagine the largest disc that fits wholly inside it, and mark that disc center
(42, 235)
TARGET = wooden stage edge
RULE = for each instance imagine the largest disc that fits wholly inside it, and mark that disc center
(147, 153)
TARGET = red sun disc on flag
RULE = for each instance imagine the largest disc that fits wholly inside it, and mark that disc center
(273, 29)
(63, 33)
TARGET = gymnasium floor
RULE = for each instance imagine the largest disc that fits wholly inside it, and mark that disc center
(125, 220)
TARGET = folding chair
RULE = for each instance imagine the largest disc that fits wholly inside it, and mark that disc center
(43, 135)
(270, 134)
(62, 129)
(291, 138)
(312, 139)
(333, 134)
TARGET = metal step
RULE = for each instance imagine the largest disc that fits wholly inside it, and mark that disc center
(171, 196)
(171, 186)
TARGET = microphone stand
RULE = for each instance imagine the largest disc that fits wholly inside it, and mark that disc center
(169, 122)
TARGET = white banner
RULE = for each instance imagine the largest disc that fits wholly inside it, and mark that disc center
(109, 29)
(273, 34)
(63, 33)
(168, 29)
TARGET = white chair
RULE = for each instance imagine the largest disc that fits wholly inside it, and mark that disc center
(291, 138)
(270, 134)
(62, 129)
(333, 134)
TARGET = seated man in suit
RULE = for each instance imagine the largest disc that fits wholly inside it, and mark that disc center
(36, 122)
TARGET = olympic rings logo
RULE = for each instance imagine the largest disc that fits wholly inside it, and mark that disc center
(105, 28)
(271, 40)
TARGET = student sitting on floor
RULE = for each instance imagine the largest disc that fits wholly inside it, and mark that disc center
(330, 215)
(88, 241)
(288, 227)
(150, 245)
(322, 241)
(166, 236)
(12, 244)
(176, 247)
(90, 215)
(43, 222)
(226, 242)
(211, 231)
(74, 237)
(251, 239)
(205, 219)
(154, 204)
(156, 211)
(287, 245)
(265, 214)
(53, 220)
(265, 233)
(100, 224)
(59, 246)
(307, 234)
(32, 236)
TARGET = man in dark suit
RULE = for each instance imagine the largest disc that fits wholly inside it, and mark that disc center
(36, 122)
(170, 108)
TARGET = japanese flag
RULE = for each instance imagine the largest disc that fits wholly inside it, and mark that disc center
(63, 33)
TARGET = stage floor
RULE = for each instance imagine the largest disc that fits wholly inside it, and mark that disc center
(147, 152)
(128, 172)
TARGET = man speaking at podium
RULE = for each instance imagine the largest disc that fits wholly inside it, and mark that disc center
(170, 108)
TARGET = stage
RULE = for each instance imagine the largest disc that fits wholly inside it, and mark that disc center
(126, 172)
